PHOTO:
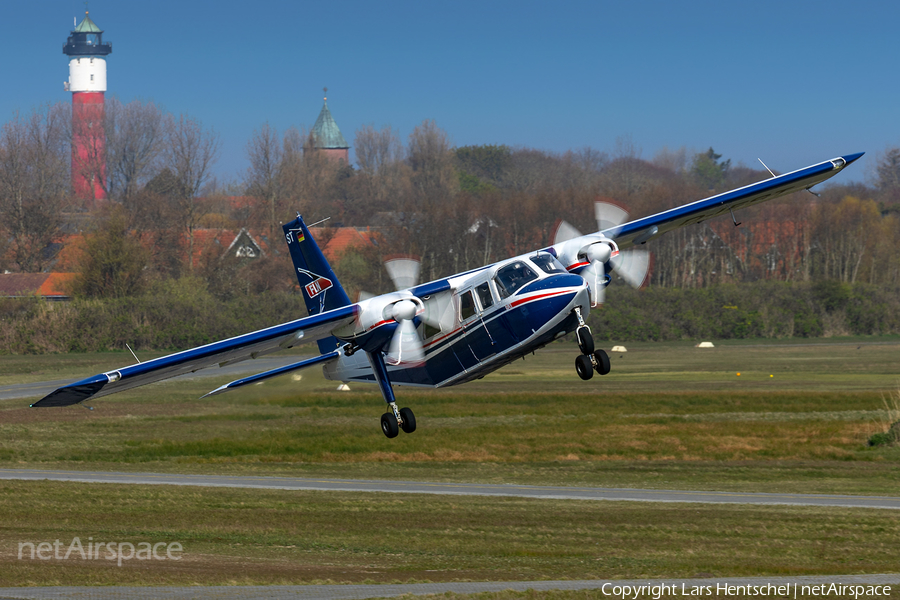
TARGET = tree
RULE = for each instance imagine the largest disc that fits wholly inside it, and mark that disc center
(845, 234)
(708, 171)
(156, 216)
(671, 160)
(377, 150)
(888, 170)
(191, 152)
(34, 181)
(113, 262)
(264, 177)
(135, 141)
(383, 180)
(431, 160)
(487, 163)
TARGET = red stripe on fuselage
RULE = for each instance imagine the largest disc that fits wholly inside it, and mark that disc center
(533, 298)
(576, 265)
(443, 337)
(379, 324)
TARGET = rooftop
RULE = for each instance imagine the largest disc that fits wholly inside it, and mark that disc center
(87, 26)
(327, 133)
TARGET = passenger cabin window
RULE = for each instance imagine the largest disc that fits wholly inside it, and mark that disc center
(430, 330)
(466, 306)
(512, 277)
(484, 295)
(547, 263)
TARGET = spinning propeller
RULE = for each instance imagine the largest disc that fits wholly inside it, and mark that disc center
(405, 347)
(601, 250)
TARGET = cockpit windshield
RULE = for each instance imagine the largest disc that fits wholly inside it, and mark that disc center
(547, 263)
(512, 277)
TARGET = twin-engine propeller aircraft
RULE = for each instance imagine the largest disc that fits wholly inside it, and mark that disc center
(456, 329)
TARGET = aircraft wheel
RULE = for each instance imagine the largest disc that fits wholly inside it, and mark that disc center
(584, 367)
(409, 420)
(389, 425)
(602, 362)
(585, 340)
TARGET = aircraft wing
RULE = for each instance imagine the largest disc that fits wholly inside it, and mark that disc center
(642, 230)
(242, 347)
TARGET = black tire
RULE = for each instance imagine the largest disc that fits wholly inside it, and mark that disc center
(409, 420)
(584, 367)
(585, 341)
(389, 425)
(602, 362)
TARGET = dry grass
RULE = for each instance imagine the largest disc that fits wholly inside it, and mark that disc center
(888, 434)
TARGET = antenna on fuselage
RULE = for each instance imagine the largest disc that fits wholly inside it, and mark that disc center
(317, 222)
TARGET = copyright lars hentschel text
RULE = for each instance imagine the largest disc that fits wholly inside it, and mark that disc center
(785, 590)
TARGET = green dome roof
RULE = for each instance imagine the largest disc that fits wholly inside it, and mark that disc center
(327, 133)
(87, 26)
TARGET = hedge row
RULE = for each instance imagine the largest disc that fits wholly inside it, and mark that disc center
(768, 309)
(182, 314)
(175, 315)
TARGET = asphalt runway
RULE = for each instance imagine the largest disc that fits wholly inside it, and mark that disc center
(456, 489)
(39, 389)
(353, 592)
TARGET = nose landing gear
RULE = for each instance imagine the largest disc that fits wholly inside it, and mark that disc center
(589, 360)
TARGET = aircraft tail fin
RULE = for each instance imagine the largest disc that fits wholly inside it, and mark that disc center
(320, 287)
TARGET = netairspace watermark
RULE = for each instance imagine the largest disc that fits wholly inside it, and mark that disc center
(117, 551)
(785, 590)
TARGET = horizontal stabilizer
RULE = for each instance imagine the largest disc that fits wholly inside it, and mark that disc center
(274, 373)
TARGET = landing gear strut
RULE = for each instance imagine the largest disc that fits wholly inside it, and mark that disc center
(398, 418)
(590, 359)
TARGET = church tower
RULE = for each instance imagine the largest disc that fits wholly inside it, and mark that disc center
(328, 138)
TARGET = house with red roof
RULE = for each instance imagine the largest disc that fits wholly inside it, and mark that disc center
(49, 286)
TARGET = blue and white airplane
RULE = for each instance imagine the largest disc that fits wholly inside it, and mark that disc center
(452, 330)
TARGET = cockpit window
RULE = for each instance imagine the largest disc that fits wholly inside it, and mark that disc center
(547, 263)
(512, 277)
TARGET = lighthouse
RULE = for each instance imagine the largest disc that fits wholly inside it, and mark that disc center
(87, 81)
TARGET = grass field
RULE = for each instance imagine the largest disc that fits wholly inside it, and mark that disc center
(796, 419)
(239, 537)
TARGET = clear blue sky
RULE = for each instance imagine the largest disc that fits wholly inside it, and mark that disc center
(792, 82)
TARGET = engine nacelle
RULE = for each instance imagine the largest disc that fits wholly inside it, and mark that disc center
(580, 252)
(378, 311)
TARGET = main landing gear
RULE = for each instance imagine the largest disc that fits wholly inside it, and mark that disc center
(589, 360)
(396, 418)
(392, 422)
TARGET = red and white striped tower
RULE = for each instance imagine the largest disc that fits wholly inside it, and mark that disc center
(87, 82)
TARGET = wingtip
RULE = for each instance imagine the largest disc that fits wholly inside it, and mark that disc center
(852, 157)
(74, 392)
